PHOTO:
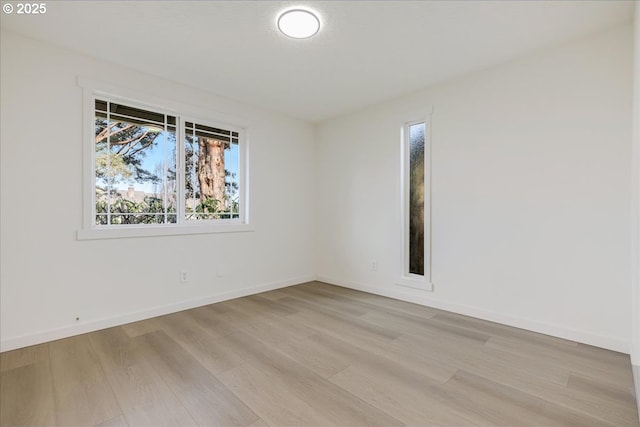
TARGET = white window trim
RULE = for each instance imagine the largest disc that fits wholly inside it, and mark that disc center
(89, 230)
(407, 279)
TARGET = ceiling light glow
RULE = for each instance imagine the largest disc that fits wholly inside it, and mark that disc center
(298, 23)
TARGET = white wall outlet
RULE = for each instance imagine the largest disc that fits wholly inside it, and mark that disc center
(374, 265)
(184, 276)
(220, 272)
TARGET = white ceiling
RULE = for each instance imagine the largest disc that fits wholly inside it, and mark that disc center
(366, 52)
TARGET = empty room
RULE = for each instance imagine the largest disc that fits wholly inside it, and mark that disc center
(320, 213)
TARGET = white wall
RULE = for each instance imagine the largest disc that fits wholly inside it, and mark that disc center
(48, 277)
(635, 219)
(531, 182)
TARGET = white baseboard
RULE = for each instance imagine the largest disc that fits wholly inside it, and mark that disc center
(397, 292)
(13, 343)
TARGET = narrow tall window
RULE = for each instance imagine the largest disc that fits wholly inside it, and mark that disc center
(416, 198)
(416, 205)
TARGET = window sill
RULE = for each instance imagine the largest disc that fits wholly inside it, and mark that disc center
(164, 230)
(415, 282)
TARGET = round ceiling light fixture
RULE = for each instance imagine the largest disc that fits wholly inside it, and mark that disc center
(298, 23)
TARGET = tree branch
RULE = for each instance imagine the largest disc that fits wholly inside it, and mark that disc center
(108, 128)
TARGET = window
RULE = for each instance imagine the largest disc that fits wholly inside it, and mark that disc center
(153, 171)
(416, 191)
(211, 173)
(135, 165)
(416, 198)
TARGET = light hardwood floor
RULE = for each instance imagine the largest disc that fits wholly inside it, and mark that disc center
(315, 355)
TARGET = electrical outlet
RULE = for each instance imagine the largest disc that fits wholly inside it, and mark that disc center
(374, 265)
(184, 276)
(221, 270)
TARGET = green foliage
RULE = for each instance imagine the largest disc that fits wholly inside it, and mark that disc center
(118, 168)
(210, 209)
(208, 206)
(150, 211)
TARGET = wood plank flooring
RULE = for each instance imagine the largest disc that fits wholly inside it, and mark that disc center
(315, 355)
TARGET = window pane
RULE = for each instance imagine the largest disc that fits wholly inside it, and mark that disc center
(416, 198)
(211, 173)
(135, 169)
(232, 182)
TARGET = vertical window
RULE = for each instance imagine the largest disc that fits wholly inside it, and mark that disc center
(416, 201)
(416, 198)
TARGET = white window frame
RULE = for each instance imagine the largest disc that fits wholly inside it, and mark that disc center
(91, 231)
(409, 279)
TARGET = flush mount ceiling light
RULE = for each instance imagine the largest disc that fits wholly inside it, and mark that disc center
(298, 23)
